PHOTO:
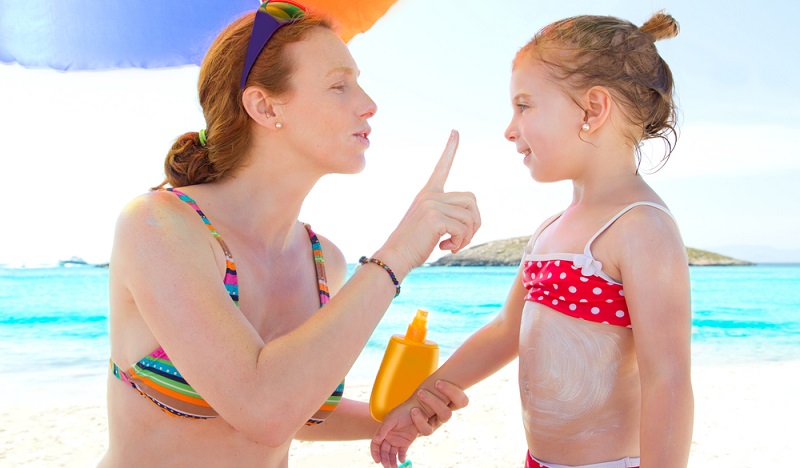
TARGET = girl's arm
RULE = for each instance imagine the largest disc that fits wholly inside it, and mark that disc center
(489, 349)
(483, 354)
(654, 268)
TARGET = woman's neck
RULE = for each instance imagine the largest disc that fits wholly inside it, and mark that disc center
(260, 204)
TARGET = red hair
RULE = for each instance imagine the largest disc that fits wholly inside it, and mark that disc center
(189, 162)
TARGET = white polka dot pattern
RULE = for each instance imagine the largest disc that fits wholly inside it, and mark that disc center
(587, 297)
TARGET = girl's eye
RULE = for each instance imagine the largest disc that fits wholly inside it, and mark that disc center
(521, 107)
(338, 87)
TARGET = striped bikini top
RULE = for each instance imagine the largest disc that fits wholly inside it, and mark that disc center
(575, 284)
(155, 376)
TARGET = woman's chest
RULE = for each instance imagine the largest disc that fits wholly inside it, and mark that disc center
(278, 300)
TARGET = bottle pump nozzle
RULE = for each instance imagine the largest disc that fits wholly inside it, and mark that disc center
(418, 327)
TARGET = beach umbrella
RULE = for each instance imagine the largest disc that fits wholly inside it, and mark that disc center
(109, 34)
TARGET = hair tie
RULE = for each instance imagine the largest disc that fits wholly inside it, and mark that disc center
(202, 136)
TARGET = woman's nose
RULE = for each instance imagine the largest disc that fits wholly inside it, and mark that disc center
(371, 107)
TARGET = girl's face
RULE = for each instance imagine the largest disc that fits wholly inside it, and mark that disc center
(546, 122)
(326, 115)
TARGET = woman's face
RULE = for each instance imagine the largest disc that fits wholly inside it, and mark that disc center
(326, 114)
(546, 122)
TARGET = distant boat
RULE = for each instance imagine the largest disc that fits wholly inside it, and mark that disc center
(79, 262)
(73, 261)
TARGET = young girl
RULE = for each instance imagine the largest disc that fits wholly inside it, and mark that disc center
(604, 369)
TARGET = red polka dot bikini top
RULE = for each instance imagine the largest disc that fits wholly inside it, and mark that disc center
(575, 284)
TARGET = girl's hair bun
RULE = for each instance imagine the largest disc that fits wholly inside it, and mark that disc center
(661, 26)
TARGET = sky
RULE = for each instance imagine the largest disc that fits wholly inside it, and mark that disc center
(75, 147)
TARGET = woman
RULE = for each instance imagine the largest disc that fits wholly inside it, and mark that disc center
(234, 378)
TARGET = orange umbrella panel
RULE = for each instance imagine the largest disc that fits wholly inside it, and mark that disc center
(352, 17)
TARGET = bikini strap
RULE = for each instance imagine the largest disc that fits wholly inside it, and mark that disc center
(535, 236)
(231, 280)
(319, 262)
(588, 251)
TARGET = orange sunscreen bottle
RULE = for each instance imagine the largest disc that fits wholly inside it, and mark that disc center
(408, 361)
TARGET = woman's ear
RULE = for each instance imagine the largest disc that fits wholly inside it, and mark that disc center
(260, 106)
(598, 107)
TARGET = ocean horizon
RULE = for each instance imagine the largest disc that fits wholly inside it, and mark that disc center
(54, 321)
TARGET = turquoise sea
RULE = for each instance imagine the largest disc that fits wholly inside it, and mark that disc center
(54, 321)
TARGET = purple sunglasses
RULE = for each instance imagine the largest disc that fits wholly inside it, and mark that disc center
(269, 17)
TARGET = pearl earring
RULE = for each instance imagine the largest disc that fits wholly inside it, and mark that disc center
(278, 125)
(585, 127)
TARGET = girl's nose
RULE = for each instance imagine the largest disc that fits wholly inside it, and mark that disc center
(511, 133)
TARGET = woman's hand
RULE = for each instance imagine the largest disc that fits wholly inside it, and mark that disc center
(421, 414)
(433, 214)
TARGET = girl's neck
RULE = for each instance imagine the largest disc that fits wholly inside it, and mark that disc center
(607, 185)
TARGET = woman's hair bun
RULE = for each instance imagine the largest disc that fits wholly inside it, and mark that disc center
(661, 26)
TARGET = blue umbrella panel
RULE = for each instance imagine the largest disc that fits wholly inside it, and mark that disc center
(99, 35)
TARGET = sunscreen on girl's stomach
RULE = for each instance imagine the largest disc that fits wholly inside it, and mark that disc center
(408, 361)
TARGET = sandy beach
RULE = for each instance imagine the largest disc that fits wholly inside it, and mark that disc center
(746, 416)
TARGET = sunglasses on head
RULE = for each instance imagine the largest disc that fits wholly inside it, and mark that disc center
(269, 17)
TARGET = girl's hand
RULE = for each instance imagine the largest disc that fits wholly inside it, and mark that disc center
(402, 425)
(433, 214)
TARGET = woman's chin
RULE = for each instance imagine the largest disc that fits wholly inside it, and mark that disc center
(359, 165)
(355, 168)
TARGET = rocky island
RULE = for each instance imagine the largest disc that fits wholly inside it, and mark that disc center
(508, 252)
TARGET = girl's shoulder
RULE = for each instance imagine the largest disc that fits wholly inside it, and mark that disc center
(647, 230)
(544, 224)
(644, 216)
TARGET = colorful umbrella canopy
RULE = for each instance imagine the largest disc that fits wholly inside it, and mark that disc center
(107, 34)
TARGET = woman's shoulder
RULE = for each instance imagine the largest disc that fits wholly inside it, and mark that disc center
(152, 204)
(154, 213)
(158, 230)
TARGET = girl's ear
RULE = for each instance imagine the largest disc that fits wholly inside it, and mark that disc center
(598, 107)
(261, 106)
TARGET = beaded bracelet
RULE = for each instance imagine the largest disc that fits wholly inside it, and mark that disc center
(365, 260)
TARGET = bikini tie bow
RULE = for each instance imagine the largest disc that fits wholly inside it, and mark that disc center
(588, 265)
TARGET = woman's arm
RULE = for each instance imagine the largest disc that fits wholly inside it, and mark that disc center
(350, 421)
(262, 388)
(654, 268)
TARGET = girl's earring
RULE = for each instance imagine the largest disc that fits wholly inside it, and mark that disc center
(585, 127)
(278, 125)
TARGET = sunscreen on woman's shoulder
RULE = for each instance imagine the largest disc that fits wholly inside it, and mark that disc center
(408, 361)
